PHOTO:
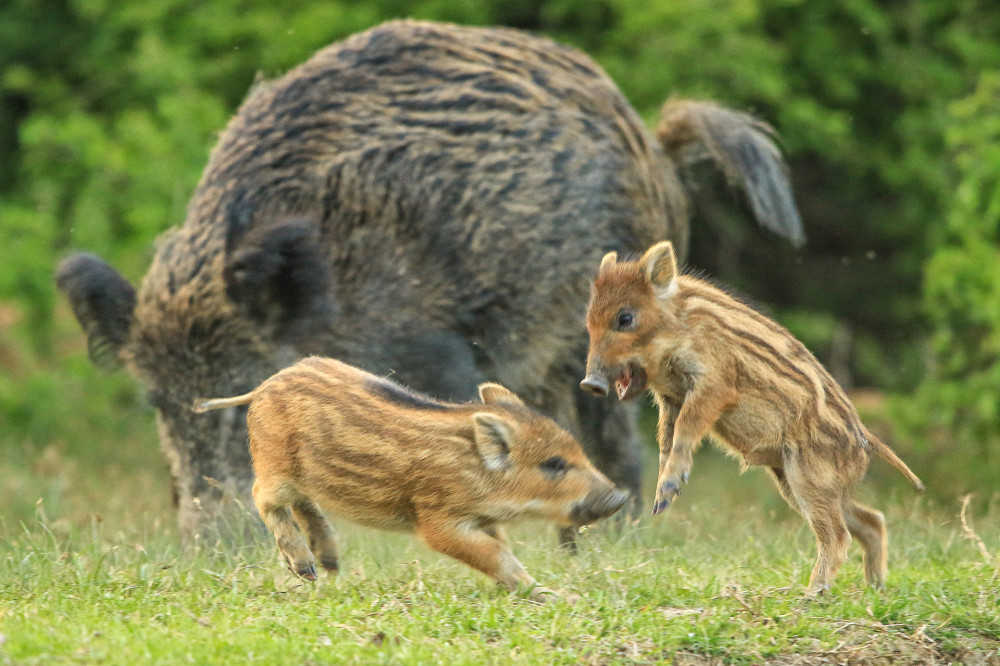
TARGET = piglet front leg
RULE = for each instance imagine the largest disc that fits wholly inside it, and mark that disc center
(702, 407)
(482, 549)
(675, 469)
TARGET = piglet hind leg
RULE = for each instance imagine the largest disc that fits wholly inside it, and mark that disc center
(483, 549)
(832, 541)
(273, 501)
(868, 526)
(312, 521)
(821, 500)
(864, 524)
(778, 475)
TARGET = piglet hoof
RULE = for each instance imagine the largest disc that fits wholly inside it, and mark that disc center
(666, 494)
(814, 592)
(332, 566)
(307, 572)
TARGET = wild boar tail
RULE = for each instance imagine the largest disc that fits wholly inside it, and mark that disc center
(202, 405)
(890, 457)
(743, 147)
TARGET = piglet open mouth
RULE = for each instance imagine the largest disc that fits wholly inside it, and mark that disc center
(631, 382)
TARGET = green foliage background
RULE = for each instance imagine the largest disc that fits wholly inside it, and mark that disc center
(888, 113)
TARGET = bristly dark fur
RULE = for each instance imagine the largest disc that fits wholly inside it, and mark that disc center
(277, 272)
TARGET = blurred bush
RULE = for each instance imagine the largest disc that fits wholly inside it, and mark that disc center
(956, 411)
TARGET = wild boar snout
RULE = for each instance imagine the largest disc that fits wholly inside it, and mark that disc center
(595, 384)
(599, 503)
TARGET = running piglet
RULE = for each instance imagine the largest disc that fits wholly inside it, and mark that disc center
(326, 437)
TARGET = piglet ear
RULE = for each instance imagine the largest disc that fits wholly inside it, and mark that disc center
(491, 393)
(610, 259)
(493, 439)
(659, 266)
(102, 301)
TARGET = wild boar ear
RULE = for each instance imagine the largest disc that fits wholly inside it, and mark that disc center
(493, 438)
(491, 393)
(659, 265)
(102, 301)
(278, 273)
(610, 259)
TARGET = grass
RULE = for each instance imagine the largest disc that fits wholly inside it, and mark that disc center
(718, 578)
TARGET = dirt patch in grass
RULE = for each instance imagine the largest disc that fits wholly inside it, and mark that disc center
(867, 645)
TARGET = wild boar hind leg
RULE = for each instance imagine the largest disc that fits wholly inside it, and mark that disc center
(484, 549)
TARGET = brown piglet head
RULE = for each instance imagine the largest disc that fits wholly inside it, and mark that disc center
(541, 470)
(629, 318)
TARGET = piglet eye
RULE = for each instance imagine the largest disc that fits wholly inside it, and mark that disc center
(625, 321)
(555, 466)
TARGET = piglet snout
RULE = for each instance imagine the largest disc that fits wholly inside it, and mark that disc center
(595, 385)
(598, 504)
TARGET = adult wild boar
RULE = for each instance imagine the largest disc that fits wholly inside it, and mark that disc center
(421, 200)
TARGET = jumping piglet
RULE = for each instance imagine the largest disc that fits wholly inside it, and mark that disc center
(717, 367)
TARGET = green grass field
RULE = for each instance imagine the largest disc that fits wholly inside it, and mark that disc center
(719, 578)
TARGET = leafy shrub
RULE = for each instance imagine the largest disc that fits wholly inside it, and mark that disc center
(957, 407)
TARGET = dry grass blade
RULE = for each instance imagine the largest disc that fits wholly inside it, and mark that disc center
(970, 533)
